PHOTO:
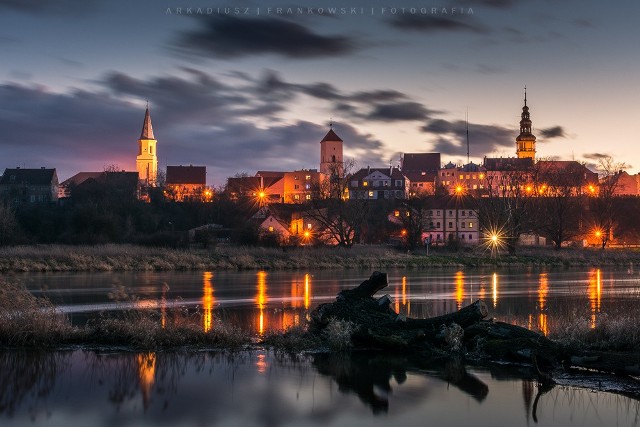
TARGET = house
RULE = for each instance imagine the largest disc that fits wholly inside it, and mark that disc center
(378, 183)
(421, 169)
(466, 179)
(120, 185)
(21, 186)
(187, 183)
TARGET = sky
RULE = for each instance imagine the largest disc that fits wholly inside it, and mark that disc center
(242, 86)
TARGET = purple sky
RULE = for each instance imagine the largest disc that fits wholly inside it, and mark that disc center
(255, 88)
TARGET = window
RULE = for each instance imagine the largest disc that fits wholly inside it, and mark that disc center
(437, 213)
(396, 213)
(450, 212)
(399, 194)
(296, 196)
(438, 226)
(365, 183)
(308, 226)
(308, 196)
(370, 193)
(470, 225)
(470, 213)
(450, 224)
(376, 183)
(431, 213)
(408, 213)
(470, 236)
(307, 186)
(462, 236)
(151, 149)
(462, 224)
(308, 177)
(387, 183)
(398, 183)
(463, 213)
(271, 228)
(296, 187)
(420, 185)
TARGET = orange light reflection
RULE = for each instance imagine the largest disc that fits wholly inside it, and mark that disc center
(543, 290)
(207, 301)
(146, 375)
(261, 298)
(595, 294)
(459, 289)
(494, 287)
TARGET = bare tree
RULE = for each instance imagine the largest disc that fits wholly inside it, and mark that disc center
(8, 225)
(505, 209)
(559, 188)
(601, 205)
(338, 218)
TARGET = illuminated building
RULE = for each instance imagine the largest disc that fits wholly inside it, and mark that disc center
(331, 160)
(147, 160)
(526, 141)
(187, 183)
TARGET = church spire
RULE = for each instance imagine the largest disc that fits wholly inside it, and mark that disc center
(147, 129)
(526, 141)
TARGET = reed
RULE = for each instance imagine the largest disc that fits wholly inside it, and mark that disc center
(129, 257)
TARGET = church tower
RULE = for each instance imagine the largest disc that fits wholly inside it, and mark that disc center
(147, 160)
(526, 141)
(331, 161)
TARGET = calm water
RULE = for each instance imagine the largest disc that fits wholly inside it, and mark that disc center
(79, 389)
(257, 388)
(261, 301)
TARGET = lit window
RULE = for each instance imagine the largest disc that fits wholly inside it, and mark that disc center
(370, 193)
(365, 183)
(271, 229)
(396, 213)
(308, 226)
(308, 196)
(296, 196)
(470, 225)
(408, 213)
(308, 177)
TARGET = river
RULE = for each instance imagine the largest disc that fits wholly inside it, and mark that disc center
(260, 388)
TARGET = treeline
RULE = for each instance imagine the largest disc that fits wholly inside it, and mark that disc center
(110, 217)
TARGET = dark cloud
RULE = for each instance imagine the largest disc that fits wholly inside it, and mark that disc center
(451, 137)
(497, 4)
(231, 37)
(197, 120)
(434, 23)
(74, 7)
(399, 112)
(596, 156)
(553, 132)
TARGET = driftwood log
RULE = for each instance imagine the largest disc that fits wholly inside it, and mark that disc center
(465, 332)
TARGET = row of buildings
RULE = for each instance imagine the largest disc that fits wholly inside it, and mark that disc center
(417, 175)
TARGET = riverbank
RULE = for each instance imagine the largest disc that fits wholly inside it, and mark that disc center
(52, 258)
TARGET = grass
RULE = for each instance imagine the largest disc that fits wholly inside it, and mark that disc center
(42, 258)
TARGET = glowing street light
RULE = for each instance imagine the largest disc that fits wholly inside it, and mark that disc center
(459, 189)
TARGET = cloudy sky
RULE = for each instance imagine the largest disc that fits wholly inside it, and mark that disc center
(246, 85)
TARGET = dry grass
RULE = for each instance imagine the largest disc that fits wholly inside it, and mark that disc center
(26, 320)
(129, 257)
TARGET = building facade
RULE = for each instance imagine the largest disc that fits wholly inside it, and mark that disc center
(23, 186)
(147, 159)
(187, 183)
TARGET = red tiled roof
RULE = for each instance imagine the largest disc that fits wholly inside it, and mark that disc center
(187, 175)
(331, 136)
(420, 162)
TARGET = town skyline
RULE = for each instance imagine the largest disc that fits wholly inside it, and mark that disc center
(224, 95)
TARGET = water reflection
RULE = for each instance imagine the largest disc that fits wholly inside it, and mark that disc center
(207, 301)
(595, 294)
(459, 280)
(494, 289)
(86, 388)
(543, 290)
(261, 298)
